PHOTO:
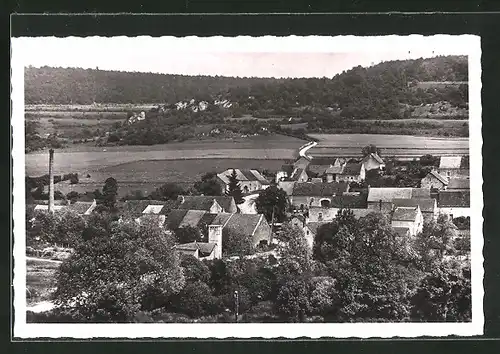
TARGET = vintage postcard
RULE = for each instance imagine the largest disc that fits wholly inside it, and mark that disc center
(247, 187)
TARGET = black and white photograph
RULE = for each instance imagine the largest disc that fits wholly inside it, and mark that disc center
(247, 187)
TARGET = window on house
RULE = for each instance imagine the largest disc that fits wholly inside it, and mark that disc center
(320, 216)
(307, 232)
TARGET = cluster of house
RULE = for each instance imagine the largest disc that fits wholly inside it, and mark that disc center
(317, 200)
(249, 180)
(212, 215)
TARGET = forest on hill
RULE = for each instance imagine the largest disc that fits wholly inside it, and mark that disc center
(386, 91)
(359, 86)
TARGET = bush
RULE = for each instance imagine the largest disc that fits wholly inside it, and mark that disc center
(196, 300)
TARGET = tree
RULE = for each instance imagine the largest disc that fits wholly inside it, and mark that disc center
(444, 294)
(109, 193)
(208, 185)
(168, 191)
(324, 297)
(293, 300)
(272, 201)
(234, 189)
(188, 234)
(369, 149)
(194, 269)
(236, 243)
(119, 270)
(72, 196)
(196, 300)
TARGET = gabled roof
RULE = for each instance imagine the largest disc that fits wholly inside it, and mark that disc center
(349, 201)
(388, 194)
(192, 218)
(450, 162)
(204, 248)
(243, 175)
(319, 189)
(374, 156)
(405, 214)
(296, 174)
(136, 207)
(244, 224)
(196, 202)
(221, 219)
(352, 169)
(334, 170)
(317, 169)
(454, 198)
(169, 205)
(402, 230)
(459, 183)
(427, 205)
(174, 218)
(437, 176)
(418, 193)
(302, 162)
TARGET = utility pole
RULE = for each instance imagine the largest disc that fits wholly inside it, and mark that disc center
(236, 305)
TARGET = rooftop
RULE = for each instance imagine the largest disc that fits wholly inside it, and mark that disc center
(427, 205)
(450, 162)
(459, 183)
(439, 177)
(402, 231)
(374, 156)
(352, 169)
(243, 175)
(388, 194)
(454, 198)
(319, 189)
(405, 214)
(204, 248)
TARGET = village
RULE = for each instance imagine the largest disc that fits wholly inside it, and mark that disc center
(317, 190)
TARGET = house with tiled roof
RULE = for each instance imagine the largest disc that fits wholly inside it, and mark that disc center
(381, 199)
(373, 162)
(410, 217)
(352, 172)
(136, 208)
(434, 180)
(454, 203)
(454, 166)
(428, 206)
(250, 226)
(318, 166)
(212, 204)
(309, 194)
(458, 184)
(249, 180)
(199, 250)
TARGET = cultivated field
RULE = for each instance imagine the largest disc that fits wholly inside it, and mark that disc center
(438, 123)
(350, 145)
(146, 176)
(40, 280)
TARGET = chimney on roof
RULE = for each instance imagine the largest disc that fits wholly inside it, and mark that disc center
(51, 181)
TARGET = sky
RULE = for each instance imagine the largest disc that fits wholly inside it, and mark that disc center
(258, 57)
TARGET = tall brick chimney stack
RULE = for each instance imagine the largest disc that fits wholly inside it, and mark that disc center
(51, 180)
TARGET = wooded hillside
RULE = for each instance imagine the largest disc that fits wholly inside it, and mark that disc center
(358, 89)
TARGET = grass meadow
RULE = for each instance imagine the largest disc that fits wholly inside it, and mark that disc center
(40, 280)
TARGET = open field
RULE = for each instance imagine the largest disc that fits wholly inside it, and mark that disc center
(350, 145)
(105, 107)
(443, 123)
(148, 175)
(40, 279)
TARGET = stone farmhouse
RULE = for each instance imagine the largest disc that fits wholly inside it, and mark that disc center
(408, 217)
(381, 199)
(253, 226)
(309, 194)
(249, 180)
(351, 172)
(454, 203)
(81, 208)
(212, 204)
(428, 206)
(373, 162)
(434, 180)
(454, 166)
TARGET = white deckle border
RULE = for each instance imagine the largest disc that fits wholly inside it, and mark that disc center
(445, 44)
